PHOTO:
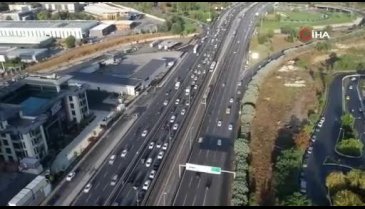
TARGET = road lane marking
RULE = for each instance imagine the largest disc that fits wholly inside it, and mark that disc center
(105, 174)
(186, 196)
(88, 197)
(194, 200)
(97, 184)
(205, 196)
(106, 185)
(191, 180)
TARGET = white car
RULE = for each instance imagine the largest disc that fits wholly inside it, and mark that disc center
(165, 102)
(160, 155)
(111, 160)
(219, 142)
(87, 188)
(164, 147)
(177, 101)
(187, 103)
(347, 97)
(353, 78)
(158, 145)
(152, 144)
(124, 153)
(230, 127)
(231, 100)
(350, 87)
(310, 149)
(146, 184)
(313, 139)
(152, 174)
(183, 112)
(200, 140)
(172, 119)
(114, 180)
(70, 176)
(219, 124)
(148, 162)
(175, 126)
(144, 133)
(195, 87)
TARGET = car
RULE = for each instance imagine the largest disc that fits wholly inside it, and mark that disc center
(148, 162)
(124, 153)
(219, 124)
(350, 87)
(200, 140)
(187, 103)
(303, 186)
(176, 125)
(199, 72)
(158, 145)
(352, 110)
(347, 97)
(114, 180)
(239, 83)
(172, 119)
(111, 159)
(314, 137)
(360, 109)
(70, 176)
(310, 149)
(152, 144)
(146, 184)
(223, 84)
(165, 102)
(192, 76)
(195, 87)
(144, 133)
(160, 155)
(199, 65)
(152, 174)
(115, 204)
(183, 112)
(231, 100)
(177, 101)
(219, 142)
(193, 83)
(230, 127)
(87, 188)
(353, 78)
(164, 147)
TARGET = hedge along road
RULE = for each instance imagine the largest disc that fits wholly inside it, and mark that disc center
(315, 173)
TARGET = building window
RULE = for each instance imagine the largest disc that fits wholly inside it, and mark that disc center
(11, 158)
(5, 142)
(8, 150)
(70, 98)
(72, 106)
(73, 113)
(3, 135)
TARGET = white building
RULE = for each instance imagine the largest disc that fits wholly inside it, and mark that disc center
(104, 11)
(62, 6)
(20, 7)
(56, 29)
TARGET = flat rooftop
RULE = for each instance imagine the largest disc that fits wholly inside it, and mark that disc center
(23, 40)
(84, 24)
(32, 104)
(103, 79)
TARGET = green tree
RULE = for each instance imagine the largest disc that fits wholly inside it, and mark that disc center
(350, 146)
(4, 6)
(70, 42)
(347, 120)
(177, 28)
(335, 181)
(296, 199)
(347, 198)
(356, 178)
(43, 15)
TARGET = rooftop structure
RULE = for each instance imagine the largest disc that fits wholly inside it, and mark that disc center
(105, 11)
(42, 41)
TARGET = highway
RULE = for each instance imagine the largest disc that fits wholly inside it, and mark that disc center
(200, 189)
(154, 120)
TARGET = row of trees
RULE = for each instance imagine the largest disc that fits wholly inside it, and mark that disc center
(348, 144)
(63, 15)
(347, 190)
(240, 183)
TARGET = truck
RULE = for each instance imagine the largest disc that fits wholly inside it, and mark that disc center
(228, 110)
(177, 85)
(187, 91)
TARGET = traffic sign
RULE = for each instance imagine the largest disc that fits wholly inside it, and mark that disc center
(203, 168)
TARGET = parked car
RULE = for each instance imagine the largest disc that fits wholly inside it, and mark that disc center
(70, 176)
(87, 188)
(111, 159)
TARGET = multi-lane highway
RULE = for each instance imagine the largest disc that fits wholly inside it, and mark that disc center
(219, 126)
(131, 170)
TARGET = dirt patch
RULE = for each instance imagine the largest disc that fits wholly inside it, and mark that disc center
(276, 106)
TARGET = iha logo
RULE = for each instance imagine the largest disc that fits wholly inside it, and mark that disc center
(306, 34)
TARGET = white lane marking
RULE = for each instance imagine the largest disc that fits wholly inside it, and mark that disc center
(191, 180)
(105, 187)
(205, 196)
(97, 184)
(186, 195)
(105, 174)
(194, 200)
(88, 197)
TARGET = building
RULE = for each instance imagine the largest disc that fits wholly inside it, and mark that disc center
(36, 111)
(20, 7)
(28, 55)
(121, 24)
(33, 194)
(101, 30)
(18, 15)
(26, 42)
(62, 6)
(106, 12)
(52, 28)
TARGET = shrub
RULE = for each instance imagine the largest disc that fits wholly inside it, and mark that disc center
(352, 147)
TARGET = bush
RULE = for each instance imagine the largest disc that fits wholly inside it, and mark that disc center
(352, 147)
(70, 42)
(240, 184)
